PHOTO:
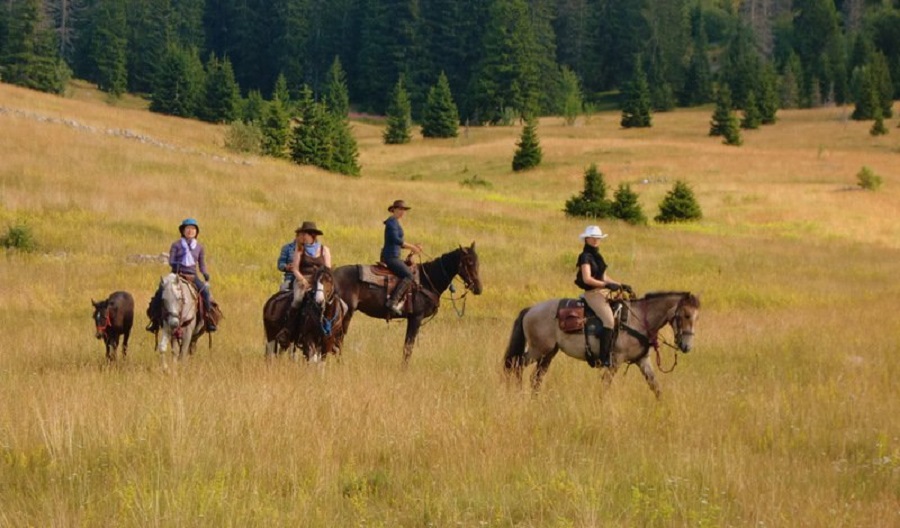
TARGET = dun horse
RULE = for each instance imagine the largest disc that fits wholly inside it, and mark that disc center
(368, 296)
(537, 337)
(182, 324)
(113, 318)
(321, 326)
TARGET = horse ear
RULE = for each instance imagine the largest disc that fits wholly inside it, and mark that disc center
(472, 247)
(93, 302)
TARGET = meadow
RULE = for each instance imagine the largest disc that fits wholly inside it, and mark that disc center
(785, 413)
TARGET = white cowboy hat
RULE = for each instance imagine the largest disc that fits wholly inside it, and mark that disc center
(592, 232)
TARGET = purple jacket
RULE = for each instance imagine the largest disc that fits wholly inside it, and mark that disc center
(177, 255)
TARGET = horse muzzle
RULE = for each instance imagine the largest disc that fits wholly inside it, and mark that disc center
(685, 342)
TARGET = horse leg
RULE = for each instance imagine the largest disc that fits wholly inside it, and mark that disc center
(647, 371)
(542, 365)
(412, 330)
(126, 335)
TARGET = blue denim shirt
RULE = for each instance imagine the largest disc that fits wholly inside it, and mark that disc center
(393, 239)
(286, 257)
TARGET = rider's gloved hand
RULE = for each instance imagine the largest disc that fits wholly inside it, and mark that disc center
(206, 276)
(613, 286)
(627, 288)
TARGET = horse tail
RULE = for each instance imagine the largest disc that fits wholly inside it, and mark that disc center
(513, 359)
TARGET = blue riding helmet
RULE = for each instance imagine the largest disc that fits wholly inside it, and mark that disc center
(188, 222)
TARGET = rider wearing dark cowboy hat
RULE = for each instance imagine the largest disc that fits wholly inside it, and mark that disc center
(309, 256)
(390, 255)
(186, 257)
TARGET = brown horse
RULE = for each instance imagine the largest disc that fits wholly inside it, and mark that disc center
(321, 323)
(436, 276)
(113, 317)
(537, 337)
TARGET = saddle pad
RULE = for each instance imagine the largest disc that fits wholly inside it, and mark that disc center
(377, 274)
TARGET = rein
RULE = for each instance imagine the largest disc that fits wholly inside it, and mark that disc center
(652, 338)
(451, 287)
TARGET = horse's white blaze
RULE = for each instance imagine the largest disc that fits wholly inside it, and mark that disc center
(320, 292)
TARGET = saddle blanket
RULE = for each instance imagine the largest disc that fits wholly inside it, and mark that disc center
(378, 274)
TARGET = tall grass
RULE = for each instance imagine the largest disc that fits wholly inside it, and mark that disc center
(783, 415)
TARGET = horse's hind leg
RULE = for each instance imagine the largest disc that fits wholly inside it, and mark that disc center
(412, 330)
(542, 365)
(647, 371)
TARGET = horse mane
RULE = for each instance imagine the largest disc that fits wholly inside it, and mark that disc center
(689, 298)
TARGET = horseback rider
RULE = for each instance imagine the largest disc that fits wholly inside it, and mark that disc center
(186, 257)
(596, 283)
(390, 255)
(309, 256)
(286, 261)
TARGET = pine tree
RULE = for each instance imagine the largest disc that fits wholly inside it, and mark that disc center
(306, 138)
(440, 118)
(528, 154)
(591, 202)
(724, 123)
(323, 139)
(878, 128)
(335, 92)
(276, 128)
(281, 91)
(790, 82)
(109, 47)
(179, 84)
(752, 115)
(31, 58)
(679, 205)
(625, 206)
(254, 108)
(769, 101)
(571, 95)
(222, 95)
(399, 116)
(148, 29)
(346, 152)
(636, 104)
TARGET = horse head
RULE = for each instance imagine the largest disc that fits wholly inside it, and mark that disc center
(323, 284)
(101, 318)
(468, 268)
(685, 317)
(172, 300)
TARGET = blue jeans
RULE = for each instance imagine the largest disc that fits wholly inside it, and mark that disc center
(399, 268)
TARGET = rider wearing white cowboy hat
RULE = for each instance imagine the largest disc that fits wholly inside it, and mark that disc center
(593, 279)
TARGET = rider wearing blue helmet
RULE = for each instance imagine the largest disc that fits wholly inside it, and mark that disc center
(187, 258)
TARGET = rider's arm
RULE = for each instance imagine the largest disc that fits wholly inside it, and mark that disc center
(326, 256)
(586, 277)
(298, 254)
(284, 259)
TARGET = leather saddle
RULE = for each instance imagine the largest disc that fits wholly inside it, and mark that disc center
(379, 275)
(575, 316)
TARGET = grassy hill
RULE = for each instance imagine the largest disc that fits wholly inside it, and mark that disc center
(785, 413)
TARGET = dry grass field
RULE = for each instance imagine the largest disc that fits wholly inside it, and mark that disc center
(785, 413)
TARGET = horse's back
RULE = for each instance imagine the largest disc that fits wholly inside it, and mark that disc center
(121, 306)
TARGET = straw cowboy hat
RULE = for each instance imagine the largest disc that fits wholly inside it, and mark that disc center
(399, 204)
(308, 227)
(592, 232)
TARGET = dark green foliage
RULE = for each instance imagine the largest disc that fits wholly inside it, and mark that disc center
(244, 137)
(30, 55)
(399, 116)
(878, 128)
(697, 87)
(872, 89)
(275, 129)
(19, 237)
(743, 67)
(570, 90)
(323, 139)
(179, 87)
(724, 123)
(752, 116)
(769, 101)
(335, 92)
(222, 96)
(254, 108)
(108, 47)
(636, 103)
(440, 118)
(625, 206)
(591, 202)
(148, 30)
(528, 154)
(679, 205)
(281, 91)
(789, 95)
(867, 179)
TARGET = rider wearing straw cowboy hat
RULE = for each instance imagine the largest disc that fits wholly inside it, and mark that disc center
(390, 255)
(593, 279)
(309, 256)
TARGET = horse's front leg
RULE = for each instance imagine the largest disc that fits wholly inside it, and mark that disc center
(649, 375)
(413, 323)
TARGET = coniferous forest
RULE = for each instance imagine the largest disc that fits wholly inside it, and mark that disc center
(502, 59)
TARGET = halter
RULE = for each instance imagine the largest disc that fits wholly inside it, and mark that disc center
(107, 324)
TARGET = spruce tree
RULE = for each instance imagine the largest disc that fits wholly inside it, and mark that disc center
(399, 116)
(254, 108)
(724, 123)
(878, 128)
(335, 92)
(789, 94)
(276, 128)
(679, 205)
(148, 28)
(346, 152)
(572, 103)
(281, 91)
(636, 104)
(31, 58)
(625, 206)
(222, 96)
(179, 84)
(752, 115)
(769, 102)
(108, 47)
(305, 140)
(866, 94)
(528, 154)
(591, 202)
(440, 118)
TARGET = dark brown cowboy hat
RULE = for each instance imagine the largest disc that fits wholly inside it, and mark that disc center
(399, 204)
(309, 227)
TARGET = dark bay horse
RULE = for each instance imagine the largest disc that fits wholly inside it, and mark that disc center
(436, 276)
(321, 323)
(536, 336)
(113, 317)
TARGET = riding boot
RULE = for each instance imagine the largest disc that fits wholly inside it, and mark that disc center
(153, 311)
(288, 333)
(208, 315)
(606, 345)
(395, 302)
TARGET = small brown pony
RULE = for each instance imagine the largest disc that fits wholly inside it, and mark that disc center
(537, 337)
(437, 275)
(321, 321)
(113, 317)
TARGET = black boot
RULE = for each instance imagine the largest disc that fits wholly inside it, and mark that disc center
(287, 334)
(606, 345)
(209, 316)
(394, 303)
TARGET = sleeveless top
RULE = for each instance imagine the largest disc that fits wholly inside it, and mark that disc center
(310, 265)
(591, 256)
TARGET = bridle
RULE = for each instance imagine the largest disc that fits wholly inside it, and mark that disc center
(103, 330)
